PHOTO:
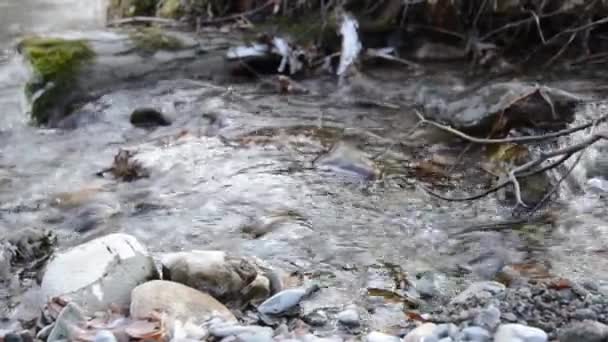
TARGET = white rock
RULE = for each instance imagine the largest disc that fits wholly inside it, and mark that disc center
(178, 301)
(99, 273)
(423, 333)
(376, 336)
(519, 333)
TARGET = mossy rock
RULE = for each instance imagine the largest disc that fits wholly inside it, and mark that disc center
(149, 40)
(131, 8)
(56, 63)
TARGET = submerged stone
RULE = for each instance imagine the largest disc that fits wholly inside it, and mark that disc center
(148, 117)
(346, 158)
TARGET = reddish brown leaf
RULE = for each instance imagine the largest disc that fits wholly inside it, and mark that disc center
(560, 284)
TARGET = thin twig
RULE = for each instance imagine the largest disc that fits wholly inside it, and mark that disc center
(140, 19)
(561, 50)
(524, 139)
(378, 54)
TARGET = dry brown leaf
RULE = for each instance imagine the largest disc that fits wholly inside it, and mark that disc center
(144, 330)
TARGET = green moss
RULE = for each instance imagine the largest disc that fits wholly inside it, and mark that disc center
(55, 61)
(171, 9)
(151, 39)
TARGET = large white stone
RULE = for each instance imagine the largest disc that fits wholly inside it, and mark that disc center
(99, 272)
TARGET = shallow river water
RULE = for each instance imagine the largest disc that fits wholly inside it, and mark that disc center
(214, 182)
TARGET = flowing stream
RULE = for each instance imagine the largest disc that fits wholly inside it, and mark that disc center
(255, 190)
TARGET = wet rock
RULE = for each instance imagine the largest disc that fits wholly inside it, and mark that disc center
(423, 333)
(476, 111)
(588, 331)
(479, 290)
(148, 118)
(99, 273)
(316, 318)
(257, 291)
(85, 69)
(285, 301)
(475, 334)
(349, 317)
(64, 328)
(519, 333)
(376, 336)
(488, 318)
(222, 276)
(242, 333)
(346, 158)
(180, 302)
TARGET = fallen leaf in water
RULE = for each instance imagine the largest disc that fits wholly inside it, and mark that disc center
(560, 284)
(415, 316)
(427, 169)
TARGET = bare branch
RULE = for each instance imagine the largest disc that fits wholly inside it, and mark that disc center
(524, 139)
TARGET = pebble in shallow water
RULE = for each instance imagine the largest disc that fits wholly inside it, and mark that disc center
(285, 301)
(349, 317)
(316, 318)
